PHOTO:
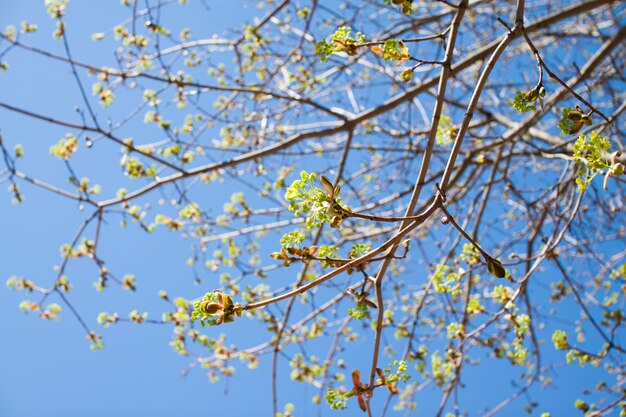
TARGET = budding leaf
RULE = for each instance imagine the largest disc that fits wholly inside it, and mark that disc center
(495, 268)
(328, 186)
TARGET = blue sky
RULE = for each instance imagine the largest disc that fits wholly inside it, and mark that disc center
(46, 367)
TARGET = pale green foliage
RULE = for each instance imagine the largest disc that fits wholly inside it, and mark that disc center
(589, 153)
(581, 405)
(559, 338)
(65, 148)
(288, 411)
(203, 316)
(359, 249)
(445, 280)
(393, 50)
(406, 6)
(446, 131)
(327, 251)
(336, 399)
(95, 341)
(137, 317)
(442, 368)
(526, 101)
(305, 197)
(470, 254)
(216, 308)
(582, 358)
(303, 370)
(573, 120)
(474, 307)
(292, 239)
(340, 41)
(501, 294)
(136, 169)
(105, 95)
(56, 8)
(191, 212)
(444, 311)
(18, 284)
(399, 375)
(455, 330)
(360, 312)
(105, 319)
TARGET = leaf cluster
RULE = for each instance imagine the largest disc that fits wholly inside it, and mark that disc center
(406, 6)
(573, 120)
(215, 308)
(340, 41)
(393, 50)
(526, 101)
(589, 153)
(320, 206)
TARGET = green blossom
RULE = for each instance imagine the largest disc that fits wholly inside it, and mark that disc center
(305, 197)
(455, 330)
(65, 148)
(559, 338)
(526, 101)
(341, 41)
(589, 153)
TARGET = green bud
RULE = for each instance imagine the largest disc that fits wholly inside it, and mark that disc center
(407, 75)
(495, 268)
(328, 186)
(575, 115)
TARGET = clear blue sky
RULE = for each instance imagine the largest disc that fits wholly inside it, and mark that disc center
(46, 368)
